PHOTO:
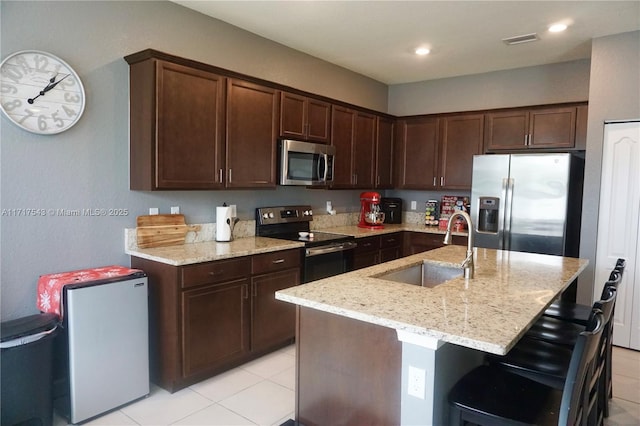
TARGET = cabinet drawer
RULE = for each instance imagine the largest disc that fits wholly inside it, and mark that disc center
(275, 261)
(367, 244)
(213, 272)
(390, 240)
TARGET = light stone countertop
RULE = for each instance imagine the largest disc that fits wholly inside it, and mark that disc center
(489, 312)
(207, 251)
(197, 251)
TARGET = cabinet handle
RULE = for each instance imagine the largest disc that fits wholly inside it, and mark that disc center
(255, 291)
(277, 261)
(212, 273)
(391, 240)
(378, 180)
(221, 175)
(441, 180)
(434, 181)
(245, 290)
(229, 179)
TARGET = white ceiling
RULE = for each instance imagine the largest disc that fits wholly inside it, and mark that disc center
(377, 38)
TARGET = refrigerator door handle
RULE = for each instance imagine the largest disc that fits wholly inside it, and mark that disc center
(507, 213)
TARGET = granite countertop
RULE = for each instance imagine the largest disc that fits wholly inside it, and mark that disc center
(207, 251)
(489, 312)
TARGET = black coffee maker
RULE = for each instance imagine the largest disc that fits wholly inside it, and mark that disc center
(392, 209)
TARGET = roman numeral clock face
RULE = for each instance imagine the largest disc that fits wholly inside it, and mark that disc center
(40, 92)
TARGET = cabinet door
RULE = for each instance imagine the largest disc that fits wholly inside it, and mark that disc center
(252, 131)
(506, 130)
(215, 326)
(461, 140)
(552, 128)
(342, 136)
(367, 253)
(416, 153)
(318, 121)
(272, 321)
(304, 118)
(364, 150)
(384, 153)
(190, 128)
(292, 116)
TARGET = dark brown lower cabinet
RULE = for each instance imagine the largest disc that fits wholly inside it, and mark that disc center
(215, 326)
(377, 249)
(417, 242)
(348, 371)
(272, 321)
(209, 317)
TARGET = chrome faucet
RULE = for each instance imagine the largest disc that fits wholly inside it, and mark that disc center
(467, 264)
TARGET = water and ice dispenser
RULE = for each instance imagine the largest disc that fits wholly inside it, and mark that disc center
(488, 213)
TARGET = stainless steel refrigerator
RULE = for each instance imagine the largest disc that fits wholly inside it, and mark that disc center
(104, 346)
(528, 202)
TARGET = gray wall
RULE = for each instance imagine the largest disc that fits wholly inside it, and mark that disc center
(87, 166)
(614, 94)
(545, 84)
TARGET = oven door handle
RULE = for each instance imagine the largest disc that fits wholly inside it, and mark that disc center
(316, 251)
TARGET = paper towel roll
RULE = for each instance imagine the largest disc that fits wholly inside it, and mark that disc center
(223, 223)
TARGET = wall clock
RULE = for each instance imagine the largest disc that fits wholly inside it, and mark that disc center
(40, 92)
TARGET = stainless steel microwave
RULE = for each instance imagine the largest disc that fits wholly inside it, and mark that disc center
(305, 163)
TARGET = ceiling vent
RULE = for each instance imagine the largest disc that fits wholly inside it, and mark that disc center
(521, 39)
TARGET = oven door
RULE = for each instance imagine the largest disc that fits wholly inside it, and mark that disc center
(304, 163)
(327, 261)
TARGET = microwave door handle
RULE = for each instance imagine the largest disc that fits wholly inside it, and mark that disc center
(322, 167)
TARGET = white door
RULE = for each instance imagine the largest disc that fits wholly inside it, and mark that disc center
(619, 226)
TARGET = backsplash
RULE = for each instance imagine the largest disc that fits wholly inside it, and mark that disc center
(246, 228)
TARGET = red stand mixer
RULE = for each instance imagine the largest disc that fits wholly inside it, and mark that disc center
(370, 215)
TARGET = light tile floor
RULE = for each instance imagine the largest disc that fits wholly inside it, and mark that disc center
(262, 393)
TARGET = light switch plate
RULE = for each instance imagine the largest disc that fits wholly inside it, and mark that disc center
(175, 210)
(153, 210)
(414, 205)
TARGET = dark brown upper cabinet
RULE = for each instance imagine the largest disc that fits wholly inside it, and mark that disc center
(384, 153)
(535, 128)
(252, 132)
(353, 133)
(177, 126)
(304, 118)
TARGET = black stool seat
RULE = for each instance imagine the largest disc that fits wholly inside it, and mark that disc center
(541, 361)
(571, 311)
(494, 394)
(555, 330)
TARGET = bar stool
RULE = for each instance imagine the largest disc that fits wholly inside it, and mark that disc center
(565, 330)
(491, 395)
(548, 362)
(574, 312)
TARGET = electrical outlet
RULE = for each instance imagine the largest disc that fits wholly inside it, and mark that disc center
(153, 210)
(414, 205)
(416, 382)
(175, 210)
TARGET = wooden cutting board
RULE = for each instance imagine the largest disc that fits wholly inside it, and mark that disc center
(162, 230)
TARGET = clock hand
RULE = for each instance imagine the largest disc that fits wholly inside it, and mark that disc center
(51, 85)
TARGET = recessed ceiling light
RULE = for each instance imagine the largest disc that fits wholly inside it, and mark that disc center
(422, 51)
(557, 28)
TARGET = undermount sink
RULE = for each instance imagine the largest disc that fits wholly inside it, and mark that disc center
(425, 274)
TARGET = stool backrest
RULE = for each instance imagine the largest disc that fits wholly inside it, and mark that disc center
(620, 265)
(579, 396)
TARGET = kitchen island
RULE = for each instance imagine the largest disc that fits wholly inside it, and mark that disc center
(375, 351)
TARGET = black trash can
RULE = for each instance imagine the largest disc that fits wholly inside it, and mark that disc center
(26, 352)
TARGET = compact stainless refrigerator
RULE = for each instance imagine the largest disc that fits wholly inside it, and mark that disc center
(528, 202)
(104, 346)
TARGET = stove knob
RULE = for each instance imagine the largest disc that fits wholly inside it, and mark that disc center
(310, 212)
(265, 215)
(271, 215)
